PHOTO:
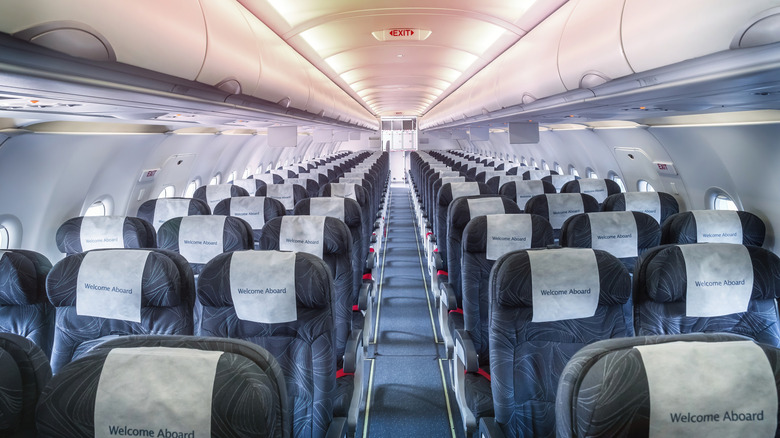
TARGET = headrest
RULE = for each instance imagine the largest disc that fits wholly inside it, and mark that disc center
(522, 190)
(506, 230)
(717, 226)
(199, 238)
(463, 209)
(85, 233)
(22, 277)
(135, 385)
(213, 193)
(621, 233)
(157, 211)
(682, 385)
(716, 268)
(285, 193)
(557, 207)
(559, 180)
(450, 191)
(249, 184)
(536, 174)
(311, 280)
(336, 237)
(112, 270)
(659, 205)
(344, 209)
(254, 210)
(512, 284)
(598, 188)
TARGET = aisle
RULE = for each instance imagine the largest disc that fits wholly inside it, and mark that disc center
(407, 395)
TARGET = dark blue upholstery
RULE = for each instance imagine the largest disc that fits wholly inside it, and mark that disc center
(168, 296)
(136, 233)
(251, 185)
(539, 205)
(267, 208)
(510, 190)
(24, 308)
(681, 228)
(604, 389)
(660, 291)
(527, 358)
(444, 198)
(209, 194)
(146, 211)
(249, 396)
(237, 235)
(667, 205)
(298, 192)
(24, 371)
(576, 186)
(304, 347)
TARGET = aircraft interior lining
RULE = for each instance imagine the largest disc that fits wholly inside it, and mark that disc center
(625, 131)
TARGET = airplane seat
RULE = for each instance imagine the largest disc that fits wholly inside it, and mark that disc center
(312, 186)
(348, 211)
(85, 233)
(255, 210)
(659, 205)
(534, 174)
(24, 308)
(488, 176)
(522, 191)
(713, 384)
(213, 193)
(251, 185)
(24, 372)
(598, 188)
(297, 323)
(557, 207)
(201, 238)
(444, 197)
(708, 287)
(357, 193)
(460, 212)
(268, 179)
(373, 198)
(287, 194)
(558, 181)
(158, 211)
(152, 292)
(545, 305)
(717, 226)
(168, 386)
(624, 234)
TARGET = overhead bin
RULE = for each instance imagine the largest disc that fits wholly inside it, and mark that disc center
(167, 37)
(232, 53)
(591, 52)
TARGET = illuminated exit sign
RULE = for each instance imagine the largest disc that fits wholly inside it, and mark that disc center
(401, 34)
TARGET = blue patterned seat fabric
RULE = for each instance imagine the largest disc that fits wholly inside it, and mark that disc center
(137, 233)
(24, 371)
(660, 288)
(299, 192)
(604, 389)
(24, 308)
(527, 358)
(304, 347)
(195, 207)
(270, 207)
(249, 396)
(168, 296)
(681, 228)
(444, 198)
(539, 205)
(237, 235)
(668, 204)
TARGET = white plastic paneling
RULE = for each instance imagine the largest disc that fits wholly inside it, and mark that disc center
(591, 52)
(167, 37)
(281, 75)
(529, 70)
(663, 32)
(232, 52)
(484, 96)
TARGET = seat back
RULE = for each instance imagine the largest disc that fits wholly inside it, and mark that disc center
(485, 240)
(85, 233)
(24, 308)
(287, 194)
(521, 191)
(329, 239)
(117, 292)
(559, 180)
(686, 385)
(307, 182)
(444, 197)
(213, 193)
(172, 386)
(255, 210)
(158, 211)
(717, 226)
(544, 306)
(708, 287)
(294, 323)
(532, 174)
(598, 188)
(24, 372)
(357, 193)
(461, 211)
(251, 185)
(557, 207)
(659, 205)
(200, 238)
(624, 234)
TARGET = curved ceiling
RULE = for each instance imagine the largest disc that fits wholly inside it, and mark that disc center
(399, 73)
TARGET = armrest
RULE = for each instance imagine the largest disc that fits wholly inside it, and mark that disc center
(373, 237)
(447, 296)
(370, 260)
(365, 291)
(489, 429)
(337, 428)
(354, 342)
(431, 238)
(465, 351)
(438, 263)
